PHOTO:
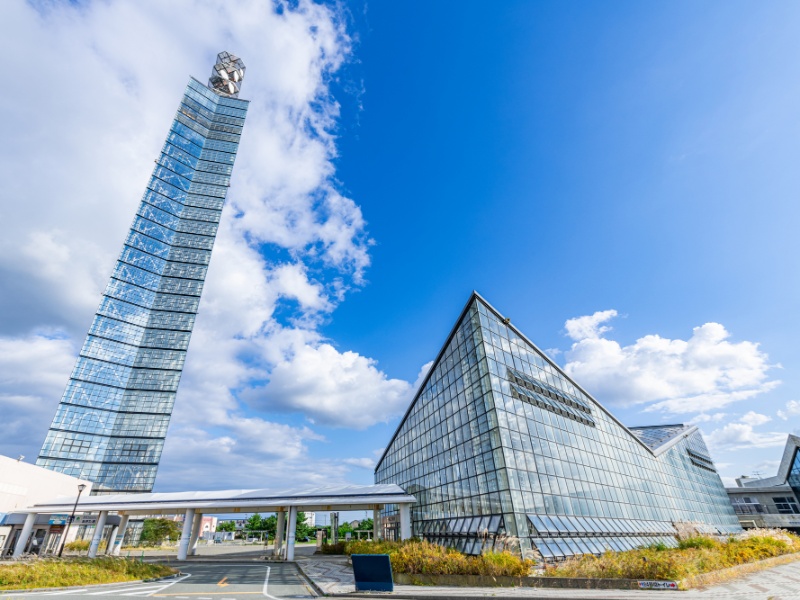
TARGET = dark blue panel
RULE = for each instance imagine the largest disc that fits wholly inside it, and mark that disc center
(373, 573)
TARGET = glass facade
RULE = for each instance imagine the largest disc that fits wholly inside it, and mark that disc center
(112, 420)
(499, 442)
(794, 474)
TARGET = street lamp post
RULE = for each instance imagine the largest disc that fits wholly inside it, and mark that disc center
(81, 487)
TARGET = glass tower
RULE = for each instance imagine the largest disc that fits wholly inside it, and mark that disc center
(112, 420)
(499, 443)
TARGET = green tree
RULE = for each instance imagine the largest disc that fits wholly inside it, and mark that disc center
(254, 523)
(271, 525)
(301, 529)
(365, 525)
(226, 526)
(156, 531)
(345, 528)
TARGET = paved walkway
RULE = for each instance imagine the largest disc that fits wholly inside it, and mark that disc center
(334, 576)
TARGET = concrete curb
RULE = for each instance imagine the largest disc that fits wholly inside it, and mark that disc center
(90, 585)
(309, 580)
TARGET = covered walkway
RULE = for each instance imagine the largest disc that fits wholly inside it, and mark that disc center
(193, 505)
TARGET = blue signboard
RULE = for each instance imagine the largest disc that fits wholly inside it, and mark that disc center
(373, 573)
(58, 519)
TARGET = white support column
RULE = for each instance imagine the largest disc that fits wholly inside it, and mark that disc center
(22, 540)
(198, 524)
(98, 533)
(279, 533)
(376, 524)
(112, 539)
(120, 537)
(186, 534)
(405, 521)
(290, 535)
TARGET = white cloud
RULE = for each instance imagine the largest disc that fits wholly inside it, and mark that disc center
(705, 418)
(792, 409)
(362, 463)
(704, 373)
(95, 115)
(589, 326)
(740, 436)
(33, 374)
(755, 419)
(341, 389)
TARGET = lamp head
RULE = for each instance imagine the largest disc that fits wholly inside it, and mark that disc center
(81, 487)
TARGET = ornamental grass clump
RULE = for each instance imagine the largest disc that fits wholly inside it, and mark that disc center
(376, 547)
(46, 573)
(694, 555)
(416, 557)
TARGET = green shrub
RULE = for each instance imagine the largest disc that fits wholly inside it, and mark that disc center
(658, 546)
(697, 542)
(337, 548)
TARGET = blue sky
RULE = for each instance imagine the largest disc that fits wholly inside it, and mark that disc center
(619, 179)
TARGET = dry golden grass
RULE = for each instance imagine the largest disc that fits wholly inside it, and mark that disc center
(46, 573)
(694, 556)
(420, 557)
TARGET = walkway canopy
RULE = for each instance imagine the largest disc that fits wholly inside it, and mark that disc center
(194, 504)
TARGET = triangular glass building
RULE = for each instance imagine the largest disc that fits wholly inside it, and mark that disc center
(499, 442)
(112, 420)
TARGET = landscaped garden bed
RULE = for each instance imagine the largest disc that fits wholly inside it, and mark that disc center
(694, 556)
(46, 573)
(420, 557)
(697, 560)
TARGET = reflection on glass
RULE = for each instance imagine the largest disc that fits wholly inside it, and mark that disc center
(499, 430)
(113, 417)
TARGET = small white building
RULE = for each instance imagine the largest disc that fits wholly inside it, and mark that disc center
(311, 519)
(22, 485)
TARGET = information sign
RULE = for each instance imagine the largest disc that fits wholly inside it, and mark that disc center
(373, 573)
(658, 585)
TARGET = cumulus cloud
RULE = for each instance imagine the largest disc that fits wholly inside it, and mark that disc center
(341, 389)
(290, 244)
(704, 373)
(740, 436)
(753, 418)
(589, 327)
(792, 409)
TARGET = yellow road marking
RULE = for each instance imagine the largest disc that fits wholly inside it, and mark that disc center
(221, 582)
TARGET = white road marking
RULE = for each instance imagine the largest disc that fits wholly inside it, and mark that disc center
(163, 587)
(266, 586)
(138, 588)
(61, 593)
